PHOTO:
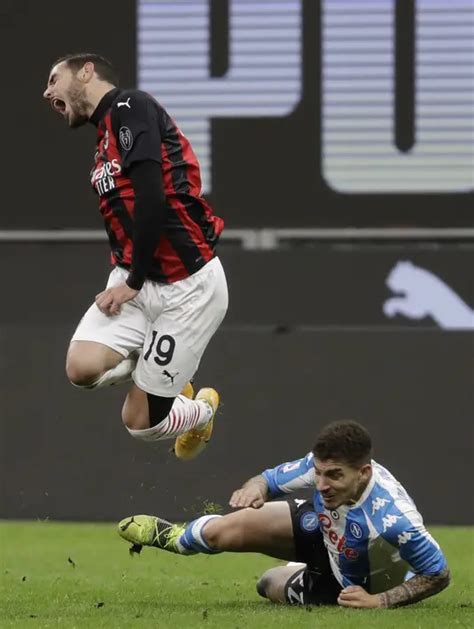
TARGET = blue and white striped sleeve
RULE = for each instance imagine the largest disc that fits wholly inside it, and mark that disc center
(416, 546)
(400, 524)
(288, 477)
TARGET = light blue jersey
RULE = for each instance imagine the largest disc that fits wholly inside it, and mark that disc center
(375, 542)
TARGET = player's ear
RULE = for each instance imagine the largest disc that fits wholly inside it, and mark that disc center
(86, 72)
(365, 471)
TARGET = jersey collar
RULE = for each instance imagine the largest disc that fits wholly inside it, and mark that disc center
(104, 104)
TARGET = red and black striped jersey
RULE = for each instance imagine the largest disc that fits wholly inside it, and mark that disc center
(133, 127)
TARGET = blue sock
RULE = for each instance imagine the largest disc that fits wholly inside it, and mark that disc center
(192, 540)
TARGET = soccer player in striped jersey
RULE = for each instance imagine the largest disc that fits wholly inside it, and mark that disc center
(167, 293)
(360, 542)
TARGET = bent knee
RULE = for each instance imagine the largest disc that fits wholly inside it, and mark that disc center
(87, 361)
(272, 584)
(82, 373)
(262, 586)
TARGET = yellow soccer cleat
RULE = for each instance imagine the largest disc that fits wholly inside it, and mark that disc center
(149, 530)
(188, 445)
(188, 390)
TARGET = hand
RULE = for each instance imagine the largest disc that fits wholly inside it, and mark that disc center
(356, 596)
(110, 300)
(250, 496)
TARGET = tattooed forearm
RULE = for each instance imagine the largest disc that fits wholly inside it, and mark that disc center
(415, 589)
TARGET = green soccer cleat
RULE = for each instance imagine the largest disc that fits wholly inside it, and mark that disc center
(149, 530)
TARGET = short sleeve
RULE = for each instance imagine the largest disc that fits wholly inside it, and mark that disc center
(292, 476)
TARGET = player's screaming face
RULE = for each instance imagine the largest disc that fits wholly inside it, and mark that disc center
(66, 91)
(340, 483)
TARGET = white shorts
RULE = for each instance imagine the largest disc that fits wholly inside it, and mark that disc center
(171, 324)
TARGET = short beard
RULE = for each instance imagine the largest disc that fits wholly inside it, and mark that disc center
(79, 106)
(77, 120)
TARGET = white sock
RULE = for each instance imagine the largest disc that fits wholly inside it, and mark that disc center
(185, 415)
(295, 563)
(121, 373)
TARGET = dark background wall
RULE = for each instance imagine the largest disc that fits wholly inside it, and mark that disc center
(305, 340)
(301, 345)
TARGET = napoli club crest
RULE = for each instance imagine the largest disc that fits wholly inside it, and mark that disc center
(355, 530)
(309, 521)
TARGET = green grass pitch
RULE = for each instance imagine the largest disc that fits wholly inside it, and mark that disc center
(81, 575)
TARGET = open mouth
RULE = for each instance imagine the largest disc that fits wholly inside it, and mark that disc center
(58, 105)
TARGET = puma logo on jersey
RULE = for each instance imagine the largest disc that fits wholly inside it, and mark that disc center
(422, 294)
(125, 103)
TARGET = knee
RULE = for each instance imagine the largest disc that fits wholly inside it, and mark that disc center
(270, 586)
(81, 372)
(88, 361)
(225, 534)
(262, 585)
(215, 534)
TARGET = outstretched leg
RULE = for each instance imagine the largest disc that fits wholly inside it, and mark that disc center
(266, 530)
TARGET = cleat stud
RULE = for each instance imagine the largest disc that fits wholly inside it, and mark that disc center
(135, 549)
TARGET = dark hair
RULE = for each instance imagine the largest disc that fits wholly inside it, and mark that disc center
(345, 441)
(102, 66)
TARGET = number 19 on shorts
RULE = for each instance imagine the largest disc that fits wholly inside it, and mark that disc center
(163, 348)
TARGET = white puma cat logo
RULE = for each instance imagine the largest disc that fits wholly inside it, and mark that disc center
(423, 294)
(125, 103)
